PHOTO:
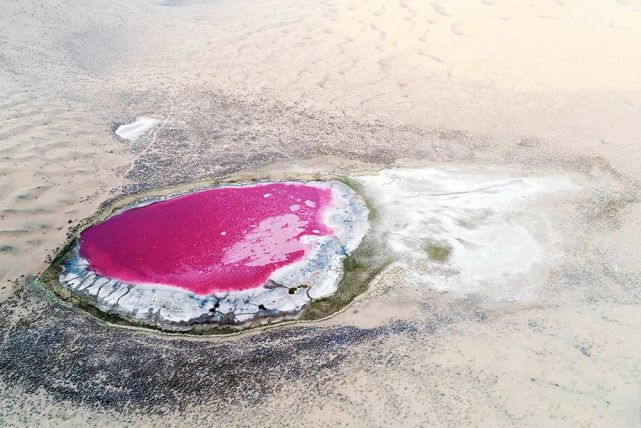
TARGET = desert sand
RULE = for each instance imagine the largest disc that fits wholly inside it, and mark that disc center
(532, 110)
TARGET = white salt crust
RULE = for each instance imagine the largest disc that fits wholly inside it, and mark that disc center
(134, 130)
(499, 228)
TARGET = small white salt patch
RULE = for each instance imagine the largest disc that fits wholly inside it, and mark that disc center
(309, 203)
(134, 130)
(223, 233)
(267, 195)
(315, 231)
(294, 208)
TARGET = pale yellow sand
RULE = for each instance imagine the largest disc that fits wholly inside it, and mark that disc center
(563, 71)
(539, 86)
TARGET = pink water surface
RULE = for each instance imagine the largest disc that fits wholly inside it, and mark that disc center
(223, 239)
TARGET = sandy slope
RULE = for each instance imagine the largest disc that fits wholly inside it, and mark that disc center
(550, 88)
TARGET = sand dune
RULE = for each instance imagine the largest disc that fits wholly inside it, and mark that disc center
(284, 90)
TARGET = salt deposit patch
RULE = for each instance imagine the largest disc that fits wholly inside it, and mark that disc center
(134, 130)
(469, 233)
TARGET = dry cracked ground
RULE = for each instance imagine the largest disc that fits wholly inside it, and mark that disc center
(256, 89)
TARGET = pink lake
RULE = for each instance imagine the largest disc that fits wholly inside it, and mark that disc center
(217, 240)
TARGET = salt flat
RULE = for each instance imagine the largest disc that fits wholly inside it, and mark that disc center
(514, 293)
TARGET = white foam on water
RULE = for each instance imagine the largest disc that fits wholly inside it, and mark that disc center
(271, 241)
(134, 130)
(496, 226)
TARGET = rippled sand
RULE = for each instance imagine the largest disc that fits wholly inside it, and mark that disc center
(263, 89)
